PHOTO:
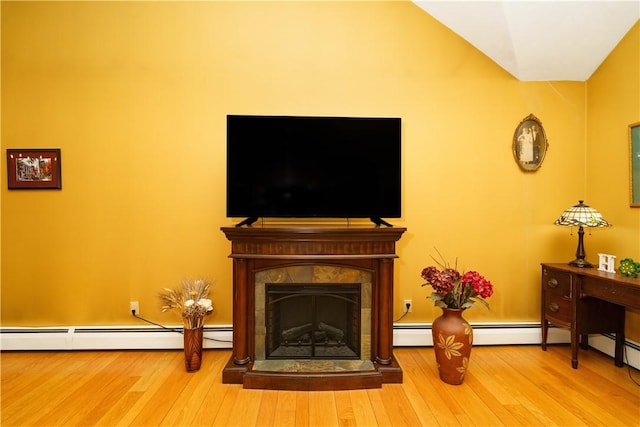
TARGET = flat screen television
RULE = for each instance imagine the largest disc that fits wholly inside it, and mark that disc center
(322, 167)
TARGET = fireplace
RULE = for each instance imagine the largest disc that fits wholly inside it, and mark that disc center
(312, 308)
(312, 312)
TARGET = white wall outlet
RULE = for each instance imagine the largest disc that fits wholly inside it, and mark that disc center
(134, 306)
(408, 306)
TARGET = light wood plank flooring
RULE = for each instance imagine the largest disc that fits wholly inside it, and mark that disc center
(505, 385)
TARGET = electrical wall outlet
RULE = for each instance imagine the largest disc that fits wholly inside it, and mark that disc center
(408, 306)
(134, 306)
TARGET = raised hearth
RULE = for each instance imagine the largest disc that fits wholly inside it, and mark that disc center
(354, 263)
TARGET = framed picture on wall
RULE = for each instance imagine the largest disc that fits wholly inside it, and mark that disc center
(34, 168)
(634, 163)
(529, 144)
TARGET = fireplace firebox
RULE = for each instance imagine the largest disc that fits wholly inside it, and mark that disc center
(312, 307)
(312, 321)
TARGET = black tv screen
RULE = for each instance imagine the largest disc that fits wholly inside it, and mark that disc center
(325, 167)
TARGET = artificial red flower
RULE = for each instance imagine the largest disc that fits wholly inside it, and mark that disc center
(454, 290)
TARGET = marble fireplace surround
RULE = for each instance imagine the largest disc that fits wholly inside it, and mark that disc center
(307, 255)
(310, 275)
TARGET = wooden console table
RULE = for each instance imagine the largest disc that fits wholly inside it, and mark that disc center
(586, 301)
(256, 249)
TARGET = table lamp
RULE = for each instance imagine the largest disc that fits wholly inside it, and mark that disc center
(581, 216)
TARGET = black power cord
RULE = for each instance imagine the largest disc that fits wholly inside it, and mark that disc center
(178, 331)
(629, 368)
(406, 311)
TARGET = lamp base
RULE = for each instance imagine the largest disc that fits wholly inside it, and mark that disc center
(582, 263)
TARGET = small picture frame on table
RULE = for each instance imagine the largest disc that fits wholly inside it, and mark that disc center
(35, 168)
(634, 164)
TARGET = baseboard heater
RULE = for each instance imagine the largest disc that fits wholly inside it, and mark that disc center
(220, 336)
(107, 338)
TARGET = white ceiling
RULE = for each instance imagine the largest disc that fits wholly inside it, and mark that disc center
(540, 40)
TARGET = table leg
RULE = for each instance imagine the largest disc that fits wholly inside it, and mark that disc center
(574, 347)
(619, 354)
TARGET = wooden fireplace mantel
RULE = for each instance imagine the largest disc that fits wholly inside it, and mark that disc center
(261, 248)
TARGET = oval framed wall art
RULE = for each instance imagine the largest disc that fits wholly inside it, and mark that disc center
(529, 144)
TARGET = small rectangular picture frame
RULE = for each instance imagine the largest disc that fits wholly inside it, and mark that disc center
(634, 164)
(34, 169)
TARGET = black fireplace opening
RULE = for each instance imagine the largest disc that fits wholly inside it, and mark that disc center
(307, 321)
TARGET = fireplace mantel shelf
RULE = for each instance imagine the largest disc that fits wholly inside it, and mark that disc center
(263, 248)
(313, 257)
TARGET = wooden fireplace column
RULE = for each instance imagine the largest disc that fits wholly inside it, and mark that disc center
(261, 248)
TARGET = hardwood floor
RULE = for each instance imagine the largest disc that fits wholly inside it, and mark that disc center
(505, 385)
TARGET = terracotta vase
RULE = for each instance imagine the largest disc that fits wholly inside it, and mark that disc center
(192, 348)
(452, 340)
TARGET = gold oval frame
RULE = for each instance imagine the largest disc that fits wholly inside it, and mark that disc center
(530, 144)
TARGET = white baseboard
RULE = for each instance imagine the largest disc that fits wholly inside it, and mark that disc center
(107, 338)
(419, 334)
(154, 338)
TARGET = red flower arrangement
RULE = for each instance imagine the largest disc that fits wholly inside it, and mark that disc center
(454, 290)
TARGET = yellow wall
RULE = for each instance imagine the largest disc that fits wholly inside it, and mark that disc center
(135, 95)
(613, 103)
